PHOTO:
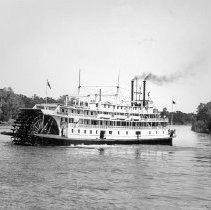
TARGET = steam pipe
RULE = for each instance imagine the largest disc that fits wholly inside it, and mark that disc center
(66, 100)
(132, 91)
(144, 92)
(100, 95)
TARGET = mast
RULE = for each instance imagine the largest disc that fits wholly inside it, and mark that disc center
(118, 85)
(144, 92)
(79, 82)
(117, 91)
(46, 92)
(100, 95)
(136, 88)
(172, 115)
(132, 91)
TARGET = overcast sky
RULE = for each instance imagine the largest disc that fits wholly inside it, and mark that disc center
(53, 39)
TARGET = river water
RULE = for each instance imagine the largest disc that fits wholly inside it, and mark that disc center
(118, 177)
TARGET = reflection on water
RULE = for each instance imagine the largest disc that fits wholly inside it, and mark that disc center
(108, 177)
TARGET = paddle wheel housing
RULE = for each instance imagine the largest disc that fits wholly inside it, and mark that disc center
(31, 122)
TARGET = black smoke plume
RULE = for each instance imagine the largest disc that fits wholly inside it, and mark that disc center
(160, 80)
(190, 70)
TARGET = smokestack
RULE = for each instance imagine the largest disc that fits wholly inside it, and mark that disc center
(144, 91)
(132, 91)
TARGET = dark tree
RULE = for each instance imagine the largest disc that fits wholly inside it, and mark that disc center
(9, 104)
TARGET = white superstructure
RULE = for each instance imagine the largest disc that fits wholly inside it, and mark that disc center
(98, 119)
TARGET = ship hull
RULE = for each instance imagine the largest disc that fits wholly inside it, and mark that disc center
(44, 139)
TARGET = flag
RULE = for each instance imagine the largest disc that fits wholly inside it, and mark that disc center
(173, 102)
(48, 84)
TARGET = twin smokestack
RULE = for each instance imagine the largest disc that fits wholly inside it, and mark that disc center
(132, 92)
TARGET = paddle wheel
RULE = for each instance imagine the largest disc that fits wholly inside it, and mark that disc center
(31, 122)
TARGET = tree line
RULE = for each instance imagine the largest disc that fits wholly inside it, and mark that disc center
(178, 117)
(202, 120)
(11, 102)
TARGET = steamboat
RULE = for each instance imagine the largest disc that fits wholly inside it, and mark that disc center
(94, 121)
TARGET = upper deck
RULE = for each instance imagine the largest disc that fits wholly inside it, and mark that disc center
(137, 109)
(107, 111)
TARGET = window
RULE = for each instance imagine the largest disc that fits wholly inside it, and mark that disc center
(104, 105)
(62, 110)
(84, 131)
(91, 113)
(72, 131)
(93, 122)
(110, 132)
(96, 105)
(90, 131)
(78, 130)
(66, 120)
(149, 132)
(61, 119)
(96, 131)
(70, 120)
(126, 132)
(118, 132)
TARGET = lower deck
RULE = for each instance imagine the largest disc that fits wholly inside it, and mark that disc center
(94, 132)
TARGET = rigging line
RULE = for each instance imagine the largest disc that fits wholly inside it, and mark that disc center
(124, 89)
(99, 86)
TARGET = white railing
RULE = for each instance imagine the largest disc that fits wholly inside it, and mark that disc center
(117, 127)
(115, 117)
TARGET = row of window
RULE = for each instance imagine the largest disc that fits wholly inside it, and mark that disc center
(111, 123)
(85, 112)
(110, 132)
(108, 106)
(121, 107)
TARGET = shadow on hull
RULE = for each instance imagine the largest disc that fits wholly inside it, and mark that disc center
(55, 140)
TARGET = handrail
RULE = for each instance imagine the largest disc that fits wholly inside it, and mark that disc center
(116, 127)
(115, 117)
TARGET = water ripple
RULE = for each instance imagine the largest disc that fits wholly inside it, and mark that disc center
(108, 177)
